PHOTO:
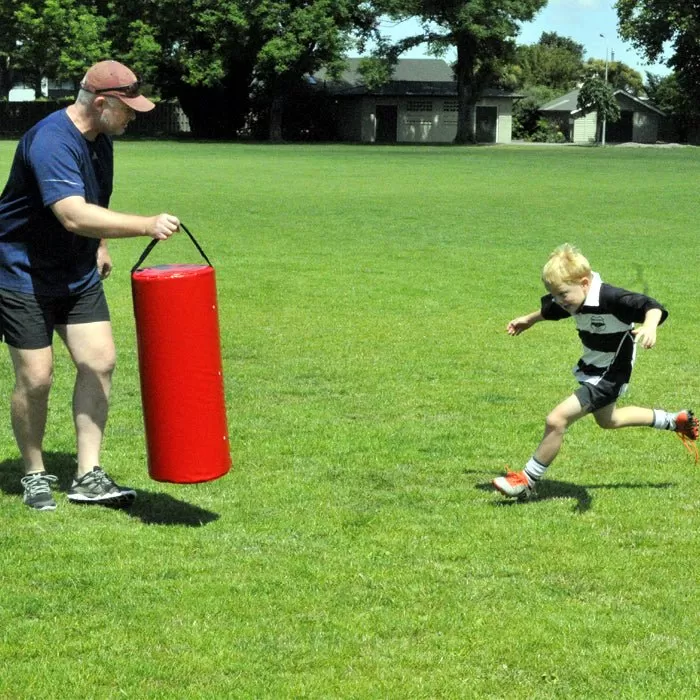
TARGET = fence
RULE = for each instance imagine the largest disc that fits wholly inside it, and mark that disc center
(166, 119)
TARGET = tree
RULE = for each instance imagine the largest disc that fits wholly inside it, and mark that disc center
(597, 95)
(213, 55)
(681, 112)
(620, 75)
(56, 38)
(301, 36)
(664, 92)
(201, 52)
(651, 25)
(8, 45)
(483, 34)
(554, 62)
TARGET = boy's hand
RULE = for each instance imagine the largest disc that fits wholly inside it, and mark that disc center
(645, 336)
(518, 325)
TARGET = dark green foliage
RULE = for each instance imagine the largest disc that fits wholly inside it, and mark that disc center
(526, 112)
(653, 25)
(554, 62)
(597, 95)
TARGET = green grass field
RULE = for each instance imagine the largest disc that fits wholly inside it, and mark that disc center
(356, 549)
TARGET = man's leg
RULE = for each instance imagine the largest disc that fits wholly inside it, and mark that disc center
(91, 348)
(29, 406)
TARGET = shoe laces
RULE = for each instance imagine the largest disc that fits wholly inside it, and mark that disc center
(38, 483)
(101, 478)
(688, 434)
(690, 445)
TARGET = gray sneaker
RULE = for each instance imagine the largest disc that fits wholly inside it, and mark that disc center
(37, 491)
(97, 487)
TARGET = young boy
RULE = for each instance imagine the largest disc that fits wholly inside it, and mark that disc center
(605, 318)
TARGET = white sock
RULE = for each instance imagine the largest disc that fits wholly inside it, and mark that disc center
(663, 420)
(534, 470)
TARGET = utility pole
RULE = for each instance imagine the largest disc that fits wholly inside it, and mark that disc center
(602, 135)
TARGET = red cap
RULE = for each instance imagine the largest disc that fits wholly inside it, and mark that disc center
(115, 79)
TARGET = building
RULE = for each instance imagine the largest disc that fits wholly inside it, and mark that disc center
(418, 105)
(639, 119)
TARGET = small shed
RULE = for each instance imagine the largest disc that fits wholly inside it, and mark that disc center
(639, 119)
(418, 105)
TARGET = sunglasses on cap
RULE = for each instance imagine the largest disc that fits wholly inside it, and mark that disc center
(131, 90)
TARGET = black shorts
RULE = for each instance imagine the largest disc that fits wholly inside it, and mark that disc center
(27, 321)
(599, 395)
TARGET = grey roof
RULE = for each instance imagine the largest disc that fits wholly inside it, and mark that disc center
(569, 102)
(565, 103)
(426, 77)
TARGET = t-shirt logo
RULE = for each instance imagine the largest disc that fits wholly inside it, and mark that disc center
(598, 324)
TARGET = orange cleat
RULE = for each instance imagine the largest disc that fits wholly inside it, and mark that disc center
(687, 430)
(514, 485)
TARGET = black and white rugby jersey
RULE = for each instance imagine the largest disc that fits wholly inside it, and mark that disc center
(604, 322)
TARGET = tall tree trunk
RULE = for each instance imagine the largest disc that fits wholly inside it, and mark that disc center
(465, 92)
(36, 84)
(5, 77)
(276, 111)
(214, 112)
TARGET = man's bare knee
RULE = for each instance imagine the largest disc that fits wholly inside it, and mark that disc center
(102, 366)
(36, 385)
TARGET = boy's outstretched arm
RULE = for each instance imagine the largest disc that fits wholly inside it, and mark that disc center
(522, 323)
(645, 335)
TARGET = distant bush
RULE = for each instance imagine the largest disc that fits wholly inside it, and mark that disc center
(547, 132)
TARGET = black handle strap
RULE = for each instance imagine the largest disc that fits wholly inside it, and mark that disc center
(152, 245)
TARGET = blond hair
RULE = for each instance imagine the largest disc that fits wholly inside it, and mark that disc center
(566, 265)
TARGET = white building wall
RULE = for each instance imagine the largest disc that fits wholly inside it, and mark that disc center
(585, 128)
(504, 124)
(427, 119)
(21, 94)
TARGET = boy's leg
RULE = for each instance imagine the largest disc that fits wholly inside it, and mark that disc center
(612, 416)
(559, 419)
(683, 422)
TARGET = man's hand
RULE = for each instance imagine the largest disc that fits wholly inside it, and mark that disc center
(104, 261)
(161, 227)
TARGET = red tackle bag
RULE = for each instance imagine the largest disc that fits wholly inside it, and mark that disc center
(182, 383)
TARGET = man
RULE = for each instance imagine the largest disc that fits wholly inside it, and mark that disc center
(54, 223)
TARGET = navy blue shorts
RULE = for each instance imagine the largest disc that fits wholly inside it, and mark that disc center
(27, 321)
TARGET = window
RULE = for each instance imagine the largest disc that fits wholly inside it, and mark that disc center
(450, 106)
(419, 106)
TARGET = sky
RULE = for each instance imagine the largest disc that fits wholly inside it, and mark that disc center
(581, 20)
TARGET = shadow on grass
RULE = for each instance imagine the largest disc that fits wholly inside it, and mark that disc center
(149, 507)
(549, 490)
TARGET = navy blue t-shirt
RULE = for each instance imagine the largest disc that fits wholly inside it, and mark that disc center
(52, 161)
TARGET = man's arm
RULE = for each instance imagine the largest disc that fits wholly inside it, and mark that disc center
(93, 221)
